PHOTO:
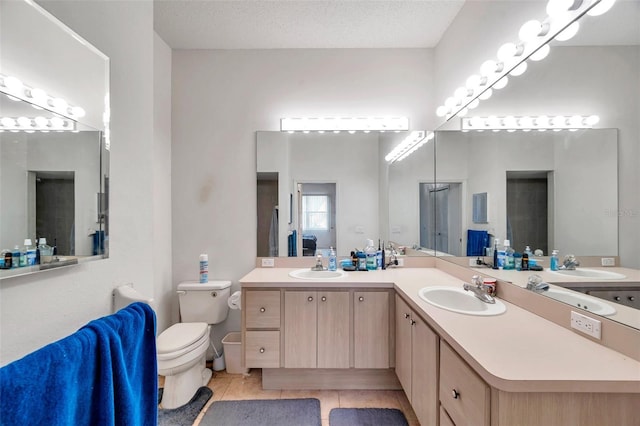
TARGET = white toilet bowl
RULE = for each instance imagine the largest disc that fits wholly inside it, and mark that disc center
(181, 352)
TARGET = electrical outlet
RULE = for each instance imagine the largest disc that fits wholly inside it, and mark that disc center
(400, 261)
(586, 325)
(472, 261)
(608, 261)
(268, 262)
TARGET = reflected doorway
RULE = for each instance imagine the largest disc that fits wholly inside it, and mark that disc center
(529, 198)
(317, 218)
(268, 215)
(54, 210)
(441, 217)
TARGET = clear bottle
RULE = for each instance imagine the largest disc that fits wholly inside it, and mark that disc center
(15, 257)
(553, 262)
(528, 251)
(27, 254)
(371, 257)
(509, 260)
(501, 255)
(46, 251)
(333, 262)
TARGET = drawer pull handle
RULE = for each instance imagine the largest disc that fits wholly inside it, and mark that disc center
(310, 299)
(455, 394)
(361, 299)
(324, 299)
(406, 316)
(263, 310)
(261, 350)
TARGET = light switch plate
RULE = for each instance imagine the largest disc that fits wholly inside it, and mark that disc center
(586, 325)
(608, 261)
(268, 262)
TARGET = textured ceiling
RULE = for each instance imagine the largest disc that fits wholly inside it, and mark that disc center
(280, 24)
(189, 24)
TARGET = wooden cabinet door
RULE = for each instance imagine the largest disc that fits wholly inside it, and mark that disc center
(424, 372)
(403, 345)
(371, 329)
(333, 329)
(300, 331)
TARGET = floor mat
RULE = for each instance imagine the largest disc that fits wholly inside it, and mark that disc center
(186, 414)
(264, 412)
(367, 417)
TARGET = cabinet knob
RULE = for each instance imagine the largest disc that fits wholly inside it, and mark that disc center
(310, 299)
(361, 299)
(616, 298)
(413, 322)
(324, 299)
(406, 316)
(631, 298)
(263, 310)
(261, 350)
(455, 394)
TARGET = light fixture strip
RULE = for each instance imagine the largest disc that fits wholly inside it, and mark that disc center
(468, 96)
(16, 90)
(409, 145)
(347, 124)
(36, 124)
(525, 123)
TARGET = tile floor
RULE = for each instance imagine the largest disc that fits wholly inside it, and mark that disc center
(239, 386)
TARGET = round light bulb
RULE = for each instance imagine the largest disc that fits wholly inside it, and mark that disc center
(441, 111)
(463, 112)
(542, 121)
(8, 122)
(41, 121)
(24, 122)
(519, 70)
(509, 122)
(56, 122)
(489, 67)
(485, 95)
(568, 32)
(575, 121)
(592, 120)
(559, 121)
(501, 84)
(13, 84)
(541, 53)
(492, 121)
(530, 30)
(462, 92)
(601, 8)
(473, 104)
(451, 102)
(78, 111)
(556, 8)
(526, 122)
(474, 81)
(476, 122)
(509, 51)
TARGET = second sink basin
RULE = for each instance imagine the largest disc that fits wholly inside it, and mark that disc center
(591, 273)
(308, 274)
(458, 300)
(581, 300)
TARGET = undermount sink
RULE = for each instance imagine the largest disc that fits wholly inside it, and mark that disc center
(581, 300)
(458, 300)
(590, 273)
(309, 274)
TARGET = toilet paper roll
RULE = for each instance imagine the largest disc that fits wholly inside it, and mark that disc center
(234, 300)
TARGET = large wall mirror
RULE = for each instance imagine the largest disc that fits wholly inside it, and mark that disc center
(54, 157)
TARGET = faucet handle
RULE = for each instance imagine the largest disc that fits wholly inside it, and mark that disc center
(477, 280)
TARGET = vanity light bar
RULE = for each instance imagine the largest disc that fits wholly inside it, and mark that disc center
(36, 124)
(409, 145)
(527, 123)
(560, 24)
(16, 90)
(346, 124)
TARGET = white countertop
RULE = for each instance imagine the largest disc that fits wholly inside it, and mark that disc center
(515, 351)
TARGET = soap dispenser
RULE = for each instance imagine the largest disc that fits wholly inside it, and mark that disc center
(333, 262)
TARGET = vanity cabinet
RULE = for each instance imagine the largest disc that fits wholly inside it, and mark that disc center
(465, 397)
(371, 329)
(417, 362)
(316, 329)
(261, 331)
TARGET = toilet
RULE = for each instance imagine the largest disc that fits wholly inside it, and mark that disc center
(182, 348)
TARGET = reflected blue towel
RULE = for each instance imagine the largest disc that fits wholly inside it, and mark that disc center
(104, 374)
(477, 241)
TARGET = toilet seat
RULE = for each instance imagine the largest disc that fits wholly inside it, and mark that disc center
(181, 338)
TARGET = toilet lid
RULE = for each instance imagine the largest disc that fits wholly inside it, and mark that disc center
(180, 335)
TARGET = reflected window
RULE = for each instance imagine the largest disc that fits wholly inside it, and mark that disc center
(315, 212)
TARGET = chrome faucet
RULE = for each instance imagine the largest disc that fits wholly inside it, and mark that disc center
(393, 257)
(535, 284)
(569, 263)
(318, 266)
(478, 289)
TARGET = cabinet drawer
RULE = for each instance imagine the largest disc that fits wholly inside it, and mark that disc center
(262, 309)
(262, 349)
(464, 395)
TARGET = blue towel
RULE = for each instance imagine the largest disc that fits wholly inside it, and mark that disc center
(476, 242)
(104, 374)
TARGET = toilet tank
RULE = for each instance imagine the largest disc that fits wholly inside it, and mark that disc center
(204, 302)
